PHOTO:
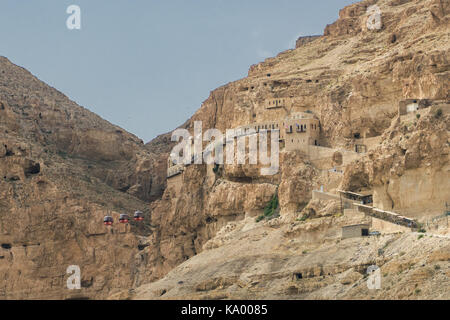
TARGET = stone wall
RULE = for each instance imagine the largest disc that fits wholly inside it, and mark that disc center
(386, 227)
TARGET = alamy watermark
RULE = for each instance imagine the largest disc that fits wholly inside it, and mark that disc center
(190, 149)
(374, 20)
(74, 281)
(74, 20)
(374, 279)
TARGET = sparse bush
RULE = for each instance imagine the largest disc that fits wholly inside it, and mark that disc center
(418, 116)
(421, 228)
(259, 218)
(304, 217)
(270, 209)
(437, 267)
(420, 236)
(438, 113)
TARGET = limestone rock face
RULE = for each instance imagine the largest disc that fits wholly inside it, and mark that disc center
(62, 169)
(301, 41)
(352, 78)
(43, 116)
(306, 260)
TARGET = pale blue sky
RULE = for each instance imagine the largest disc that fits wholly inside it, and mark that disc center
(147, 65)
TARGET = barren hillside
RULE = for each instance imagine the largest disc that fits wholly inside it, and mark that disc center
(381, 101)
(63, 169)
(354, 81)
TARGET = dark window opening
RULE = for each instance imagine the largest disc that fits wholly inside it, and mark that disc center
(298, 276)
(365, 232)
(87, 283)
(6, 246)
(142, 246)
(393, 38)
(357, 135)
(33, 169)
(210, 220)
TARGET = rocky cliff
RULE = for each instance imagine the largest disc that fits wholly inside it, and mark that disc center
(353, 79)
(62, 168)
(209, 234)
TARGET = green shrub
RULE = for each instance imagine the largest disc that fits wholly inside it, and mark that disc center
(418, 116)
(270, 209)
(421, 228)
(420, 236)
(305, 216)
(259, 218)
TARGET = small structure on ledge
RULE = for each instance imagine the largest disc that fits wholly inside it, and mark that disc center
(355, 231)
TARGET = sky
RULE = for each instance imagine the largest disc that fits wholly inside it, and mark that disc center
(147, 65)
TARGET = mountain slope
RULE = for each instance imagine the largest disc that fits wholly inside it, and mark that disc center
(62, 169)
(353, 80)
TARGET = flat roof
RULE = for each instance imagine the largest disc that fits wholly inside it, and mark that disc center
(357, 225)
(356, 194)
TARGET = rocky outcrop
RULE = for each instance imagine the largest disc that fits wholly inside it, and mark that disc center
(64, 168)
(352, 78)
(301, 41)
(306, 260)
(41, 115)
